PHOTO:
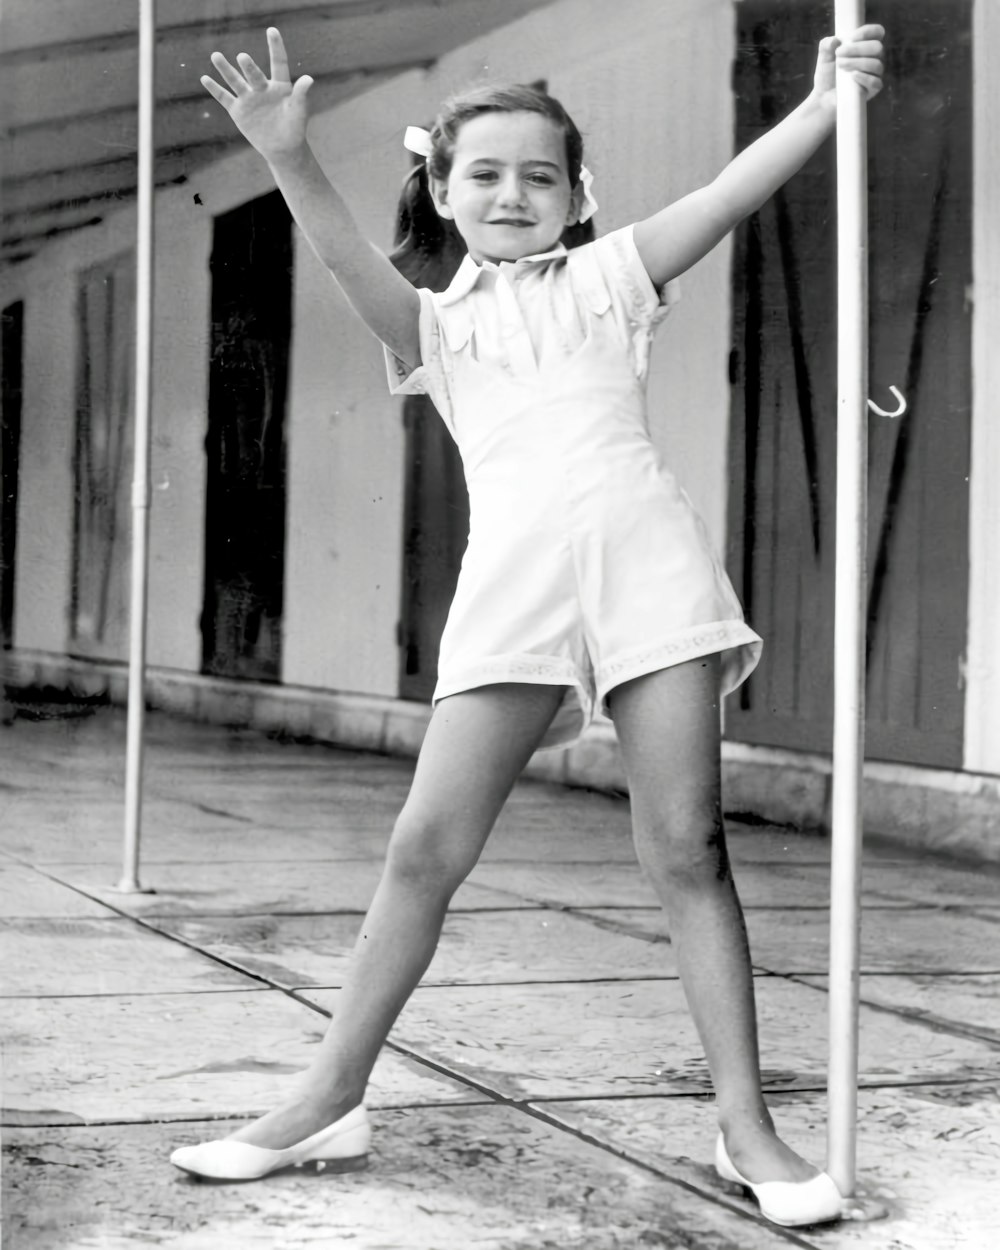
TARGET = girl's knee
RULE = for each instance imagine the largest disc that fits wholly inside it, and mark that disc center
(690, 852)
(427, 855)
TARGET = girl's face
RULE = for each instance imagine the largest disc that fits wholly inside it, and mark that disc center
(508, 192)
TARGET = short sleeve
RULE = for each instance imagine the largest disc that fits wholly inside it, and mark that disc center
(427, 378)
(620, 258)
(638, 305)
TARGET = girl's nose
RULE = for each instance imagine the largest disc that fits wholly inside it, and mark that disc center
(509, 190)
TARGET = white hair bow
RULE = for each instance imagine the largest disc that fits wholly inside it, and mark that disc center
(418, 140)
(589, 203)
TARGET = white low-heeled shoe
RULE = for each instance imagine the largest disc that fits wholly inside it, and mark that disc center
(346, 1140)
(792, 1204)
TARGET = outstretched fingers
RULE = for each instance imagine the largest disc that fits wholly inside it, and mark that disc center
(230, 74)
(247, 76)
(225, 98)
(254, 75)
(268, 111)
(300, 87)
(279, 57)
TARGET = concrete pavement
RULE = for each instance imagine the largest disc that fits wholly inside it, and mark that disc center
(543, 1088)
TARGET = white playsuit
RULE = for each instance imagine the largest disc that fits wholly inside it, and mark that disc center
(586, 564)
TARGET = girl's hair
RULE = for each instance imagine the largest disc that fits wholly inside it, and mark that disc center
(428, 248)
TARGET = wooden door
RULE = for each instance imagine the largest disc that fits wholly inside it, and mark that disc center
(103, 459)
(245, 448)
(783, 433)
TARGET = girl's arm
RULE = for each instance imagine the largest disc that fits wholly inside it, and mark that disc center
(272, 114)
(680, 234)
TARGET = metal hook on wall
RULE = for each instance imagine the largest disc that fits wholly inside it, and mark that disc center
(900, 402)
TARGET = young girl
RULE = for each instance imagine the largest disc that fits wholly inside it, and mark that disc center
(588, 581)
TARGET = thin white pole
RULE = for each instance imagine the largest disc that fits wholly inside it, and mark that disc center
(129, 882)
(849, 612)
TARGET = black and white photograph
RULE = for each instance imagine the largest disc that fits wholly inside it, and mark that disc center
(499, 624)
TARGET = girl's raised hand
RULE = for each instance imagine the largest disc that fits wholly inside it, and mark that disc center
(270, 112)
(861, 55)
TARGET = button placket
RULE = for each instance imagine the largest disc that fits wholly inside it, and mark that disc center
(517, 340)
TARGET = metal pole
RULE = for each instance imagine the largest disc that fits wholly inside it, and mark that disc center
(849, 611)
(129, 882)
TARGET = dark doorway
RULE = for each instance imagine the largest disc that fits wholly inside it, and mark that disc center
(245, 449)
(11, 367)
(783, 433)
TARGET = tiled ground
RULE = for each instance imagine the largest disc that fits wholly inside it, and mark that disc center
(543, 1088)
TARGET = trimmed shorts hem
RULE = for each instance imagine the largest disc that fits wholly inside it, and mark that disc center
(574, 713)
(701, 640)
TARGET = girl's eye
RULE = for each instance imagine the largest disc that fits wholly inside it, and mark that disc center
(541, 180)
(484, 175)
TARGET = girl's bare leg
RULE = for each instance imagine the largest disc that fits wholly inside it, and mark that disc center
(668, 727)
(476, 745)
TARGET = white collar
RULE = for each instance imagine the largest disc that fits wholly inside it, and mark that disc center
(470, 271)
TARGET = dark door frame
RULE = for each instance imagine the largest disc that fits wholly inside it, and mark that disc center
(245, 505)
(11, 380)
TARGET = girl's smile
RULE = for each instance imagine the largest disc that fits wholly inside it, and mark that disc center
(508, 191)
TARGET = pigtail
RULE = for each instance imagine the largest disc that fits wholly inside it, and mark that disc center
(579, 233)
(427, 248)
